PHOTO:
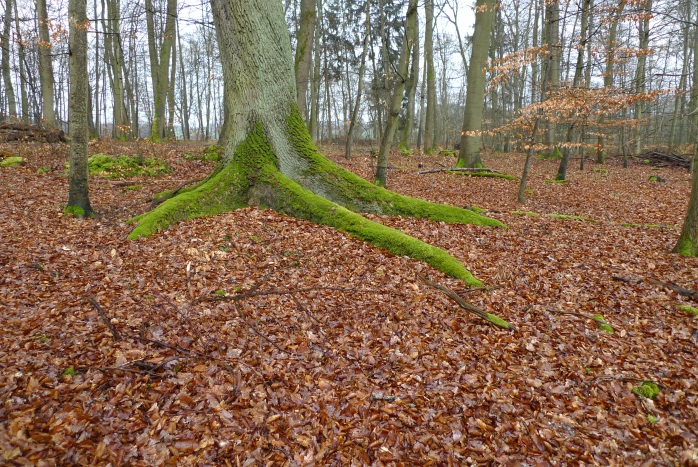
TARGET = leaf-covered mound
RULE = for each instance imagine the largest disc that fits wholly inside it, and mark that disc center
(323, 349)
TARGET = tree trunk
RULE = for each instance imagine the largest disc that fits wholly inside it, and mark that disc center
(78, 194)
(6, 54)
(399, 78)
(608, 76)
(687, 244)
(22, 68)
(430, 122)
(469, 153)
(304, 53)
(45, 66)
(270, 159)
(159, 65)
(405, 141)
(643, 40)
(579, 68)
(359, 85)
(553, 40)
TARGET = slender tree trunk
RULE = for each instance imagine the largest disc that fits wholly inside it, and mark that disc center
(644, 39)
(430, 123)
(360, 84)
(6, 54)
(553, 40)
(579, 68)
(22, 68)
(183, 92)
(469, 153)
(392, 118)
(159, 65)
(78, 194)
(405, 141)
(314, 123)
(46, 66)
(608, 76)
(422, 110)
(304, 53)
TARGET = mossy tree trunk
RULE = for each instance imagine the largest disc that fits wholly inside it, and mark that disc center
(78, 193)
(270, 159)
(469, 153)
(688, 241)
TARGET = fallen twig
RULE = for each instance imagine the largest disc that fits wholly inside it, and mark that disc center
(496, 320)
(460, 169)
(676, 288)
(105, 319)
(156, 201)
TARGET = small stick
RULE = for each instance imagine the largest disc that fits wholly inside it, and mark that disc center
(103, 315)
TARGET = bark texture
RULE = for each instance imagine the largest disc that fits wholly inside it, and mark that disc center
(45, 65)
(469, 152)
(271, 161)
(78, 194)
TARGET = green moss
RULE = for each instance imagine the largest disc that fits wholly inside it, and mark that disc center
(213, 153)
(646, 390)
(554, 155)
(525, 213)
(12, 161)
(68, 372)
(448, 153)
(686, 246)
(691, 310)
(292, 199)
(42, 170)
(600, 171)
(658, 226)
(556, 181)
(476, 209)
(404, 151)
(102, 165)
(220, 292)
(73, 210)
(357, 194)
(497, 321)
(603, 324)
(629, 224)
(133, 187)
(652, 419)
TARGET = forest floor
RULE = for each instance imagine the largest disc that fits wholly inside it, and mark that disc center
(252, 338)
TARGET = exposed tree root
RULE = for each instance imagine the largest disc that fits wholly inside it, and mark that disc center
(494, 319)
(311, 187)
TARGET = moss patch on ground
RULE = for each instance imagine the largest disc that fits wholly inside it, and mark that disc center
(646, 390)
(102, 165)
(12, 161)
(691, 310)
(603, 324)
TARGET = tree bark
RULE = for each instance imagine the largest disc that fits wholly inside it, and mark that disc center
(360, 85)
(304, 53)
(429, 136)
(45, 66)
(159, 65)
(270, 159)
(78, 191)
(399, 79)
(6, 54)
(469, 152)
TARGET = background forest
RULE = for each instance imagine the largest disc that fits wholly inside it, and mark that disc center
(620, 72)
